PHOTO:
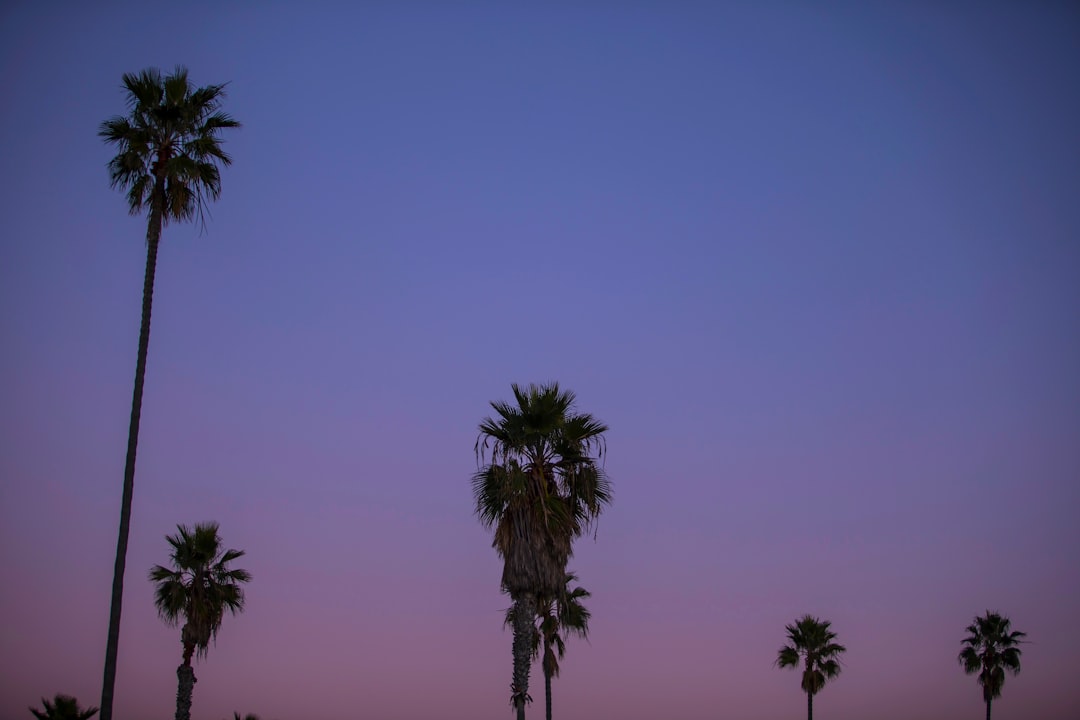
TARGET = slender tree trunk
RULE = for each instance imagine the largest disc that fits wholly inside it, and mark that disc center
(153, 236)
(547, 693)
(987, 710)
(809, 706)
(186, 676)
(524, 610)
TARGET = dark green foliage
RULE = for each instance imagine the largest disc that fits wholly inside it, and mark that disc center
(199, 588)
(63, 707)
(813, 643)
(171, 135)
(990, 649)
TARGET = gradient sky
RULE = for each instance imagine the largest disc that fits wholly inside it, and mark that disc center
(816, 265)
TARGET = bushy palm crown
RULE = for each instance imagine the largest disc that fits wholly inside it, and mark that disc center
(542, 487)
(63, 707)
(813, 642)
(200, 587)
(168, 144)
(990, 649)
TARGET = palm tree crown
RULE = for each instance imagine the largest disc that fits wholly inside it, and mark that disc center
(63, 707)
(813, 642)
(200, 587)
(168, 144)
(542, 487)
(990, 649)
(559, 617)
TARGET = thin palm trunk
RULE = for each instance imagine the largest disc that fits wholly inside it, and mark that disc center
(524, 608)
(153, 236)
(547, 693)
(809, 706)
(987, 710)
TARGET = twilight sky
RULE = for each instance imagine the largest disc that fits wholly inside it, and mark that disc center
(818, 268)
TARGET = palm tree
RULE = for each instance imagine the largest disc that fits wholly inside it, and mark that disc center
(249, 716)
(812, 641)
(63, 707)
(557, 617)
(541, 490)
(990, 649)
(167, 162)
(199, 588)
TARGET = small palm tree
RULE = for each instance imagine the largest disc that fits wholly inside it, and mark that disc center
(169, 150)
(249, 716)
(812, 642)
(63, 707)
(199, 588)
(541, 490)
(990, 649)
(556, 618)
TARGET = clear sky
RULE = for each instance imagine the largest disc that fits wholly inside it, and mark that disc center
(817, 265)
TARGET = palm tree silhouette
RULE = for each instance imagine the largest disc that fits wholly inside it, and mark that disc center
(199, 588)
(990, 649)
(63, 707)
(168, 154)
(541, 489)
(556, 618)
(812, 642)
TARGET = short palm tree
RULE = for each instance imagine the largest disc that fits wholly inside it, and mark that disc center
(990, 649)
(542, 489)
(63, 707)
(812, 643)
(199, 588)
(556, 618)
(168, 153)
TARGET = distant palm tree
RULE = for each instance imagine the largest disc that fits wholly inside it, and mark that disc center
(542, 489)
(557, 617)
(249, 716)
(990, 649)
(812, 642)
(199, 588)
(63, 707)
(169, 150)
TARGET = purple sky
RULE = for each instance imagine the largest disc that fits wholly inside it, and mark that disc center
(817, 268)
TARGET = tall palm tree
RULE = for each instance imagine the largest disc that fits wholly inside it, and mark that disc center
(199, 588)
(63, 707)
(812, 642)
(990, 649)
(541, 490)
(168, 152)
(556, 618)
